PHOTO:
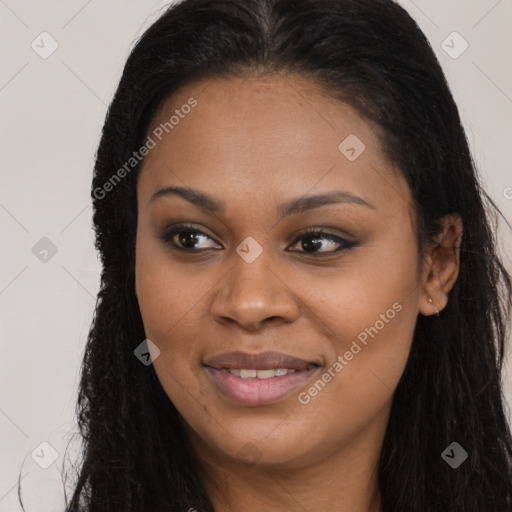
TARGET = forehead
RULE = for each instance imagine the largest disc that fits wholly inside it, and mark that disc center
(280, 135)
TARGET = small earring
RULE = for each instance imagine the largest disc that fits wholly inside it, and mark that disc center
(431, 302)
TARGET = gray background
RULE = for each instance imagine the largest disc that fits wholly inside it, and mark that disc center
(52, 111)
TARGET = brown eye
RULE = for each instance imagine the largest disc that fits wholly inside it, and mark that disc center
(318, 242)
(185, 237)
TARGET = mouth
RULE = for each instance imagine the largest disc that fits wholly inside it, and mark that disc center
(258, 379)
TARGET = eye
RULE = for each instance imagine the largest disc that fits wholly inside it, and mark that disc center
(185, 237)
(314, 240)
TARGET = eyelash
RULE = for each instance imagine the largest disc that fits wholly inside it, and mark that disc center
(308, 233)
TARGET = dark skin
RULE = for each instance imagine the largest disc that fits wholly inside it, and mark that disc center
(254, 144)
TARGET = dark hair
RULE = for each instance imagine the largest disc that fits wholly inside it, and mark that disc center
(373, 56)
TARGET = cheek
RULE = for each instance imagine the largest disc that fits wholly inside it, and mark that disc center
(167, 304)
(165, 293)
(170, 301)
(360, 379)
(370, 311)
(360, 294)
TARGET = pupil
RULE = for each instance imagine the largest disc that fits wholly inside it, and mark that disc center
(317, 244)
(186, 240)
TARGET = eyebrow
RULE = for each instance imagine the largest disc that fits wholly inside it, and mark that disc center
(299, 205)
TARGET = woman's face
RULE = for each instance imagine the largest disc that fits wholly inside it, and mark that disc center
(257, 163)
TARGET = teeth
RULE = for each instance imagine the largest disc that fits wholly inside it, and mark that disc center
(260, 374)
(266, 374)
(248, 374)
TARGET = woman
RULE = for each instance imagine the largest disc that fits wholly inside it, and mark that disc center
(301, 303)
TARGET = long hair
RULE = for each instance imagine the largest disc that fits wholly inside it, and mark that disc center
(372, 55)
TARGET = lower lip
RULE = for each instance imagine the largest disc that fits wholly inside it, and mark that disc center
(259, 391)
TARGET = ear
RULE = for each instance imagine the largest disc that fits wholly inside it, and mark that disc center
(441, 266)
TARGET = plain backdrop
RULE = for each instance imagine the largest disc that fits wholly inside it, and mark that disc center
(52, 110)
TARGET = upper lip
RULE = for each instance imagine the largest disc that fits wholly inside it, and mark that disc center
(261, 361)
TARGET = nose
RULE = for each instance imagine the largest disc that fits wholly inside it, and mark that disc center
(253, 295)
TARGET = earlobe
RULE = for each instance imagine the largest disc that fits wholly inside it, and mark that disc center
(432, 303)
(442, 264)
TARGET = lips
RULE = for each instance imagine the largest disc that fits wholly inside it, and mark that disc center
(262, 361)
(258, 379)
